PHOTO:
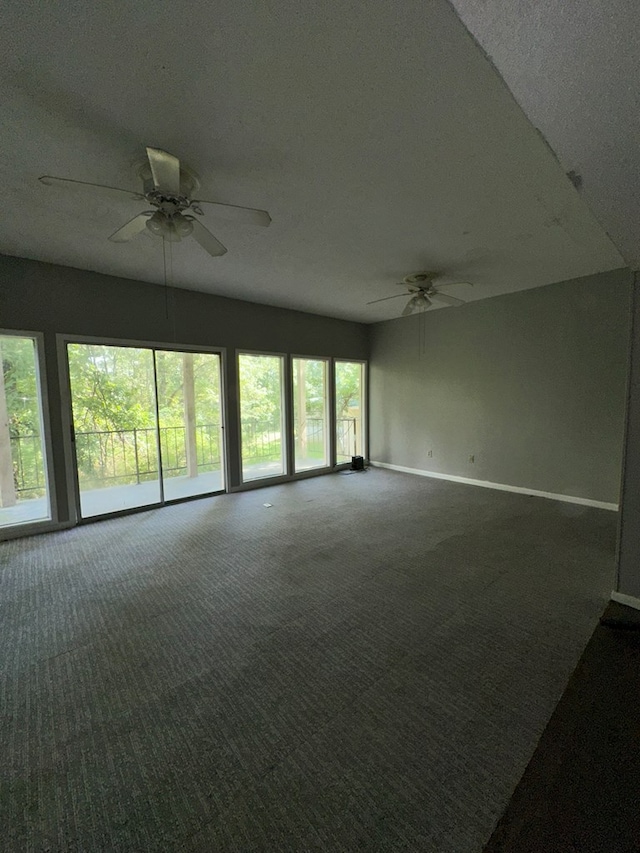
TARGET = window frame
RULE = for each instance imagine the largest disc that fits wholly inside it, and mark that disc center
(330, 404)
(62, 339)
(52, 522)
(364, 391)
(286, 420)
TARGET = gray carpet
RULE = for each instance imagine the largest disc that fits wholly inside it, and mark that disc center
(580, 791)
(366, 665)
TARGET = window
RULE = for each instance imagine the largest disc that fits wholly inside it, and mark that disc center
(115, 427)
(24, 486)
(261, 416)
(349, 387)
(310, 414)
(190, 423)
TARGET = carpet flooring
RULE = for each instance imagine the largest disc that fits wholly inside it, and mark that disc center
(581, 790)
(367, 664)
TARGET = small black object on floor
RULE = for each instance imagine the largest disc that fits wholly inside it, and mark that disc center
(581, 789)
(357, 464)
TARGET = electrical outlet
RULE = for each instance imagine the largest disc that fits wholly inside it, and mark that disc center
(429, 452)
(472, 458)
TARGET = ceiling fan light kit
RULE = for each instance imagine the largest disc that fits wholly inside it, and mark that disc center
(173, 228)
(423, 292)
(168, 187)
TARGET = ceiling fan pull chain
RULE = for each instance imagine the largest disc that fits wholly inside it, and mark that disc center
(166, 289)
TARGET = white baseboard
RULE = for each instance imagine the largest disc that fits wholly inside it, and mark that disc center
(629, 600)
(486, 484)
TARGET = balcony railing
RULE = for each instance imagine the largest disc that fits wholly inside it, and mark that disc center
(347, 438)
(28, 473)
(314, 438)
(128, 456)
(261, 441)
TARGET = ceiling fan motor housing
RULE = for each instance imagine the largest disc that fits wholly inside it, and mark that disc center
(168, 202)
(420, 278)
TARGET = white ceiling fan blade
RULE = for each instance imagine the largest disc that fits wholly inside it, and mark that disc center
(165, 169)
(131, 229)
(411, 305)
(450, 300)
(243, 215)
(51, 181)
(451, 283)
(384, 298)
(206, 239)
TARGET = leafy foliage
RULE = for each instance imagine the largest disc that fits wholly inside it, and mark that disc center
(20, 384)
(114, 408)
(18, 359)
(348, 388)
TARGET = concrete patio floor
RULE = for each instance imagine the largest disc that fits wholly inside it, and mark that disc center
(96, 502)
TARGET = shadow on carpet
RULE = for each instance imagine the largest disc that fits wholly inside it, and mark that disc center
(580, 792)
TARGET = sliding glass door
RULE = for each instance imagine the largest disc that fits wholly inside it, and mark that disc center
(190, 419)
(263, 443)
(310, 413)
(349, 391)
(24, 489)
(115, 427)
(147, 425)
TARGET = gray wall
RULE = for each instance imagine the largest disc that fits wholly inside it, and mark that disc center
(629, 551)
(52, 299)
(532, 384)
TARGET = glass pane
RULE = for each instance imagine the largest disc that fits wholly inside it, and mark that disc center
(23, 475)
(261, 416)
(190, 423)
(310, 414)
(114, 419)
(349, 410)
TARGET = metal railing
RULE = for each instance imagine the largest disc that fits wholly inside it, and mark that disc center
(310, 440)
(28, 473)
(261, 440)
(131, 455)
(347, 438)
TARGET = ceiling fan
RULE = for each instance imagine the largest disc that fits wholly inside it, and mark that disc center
(168, 187)
(423, 292)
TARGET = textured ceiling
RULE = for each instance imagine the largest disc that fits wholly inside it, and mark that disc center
(378, 136)
(573, 66)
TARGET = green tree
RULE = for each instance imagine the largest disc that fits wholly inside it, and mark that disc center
(261, 388)
(18, 361)
(348, 388)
